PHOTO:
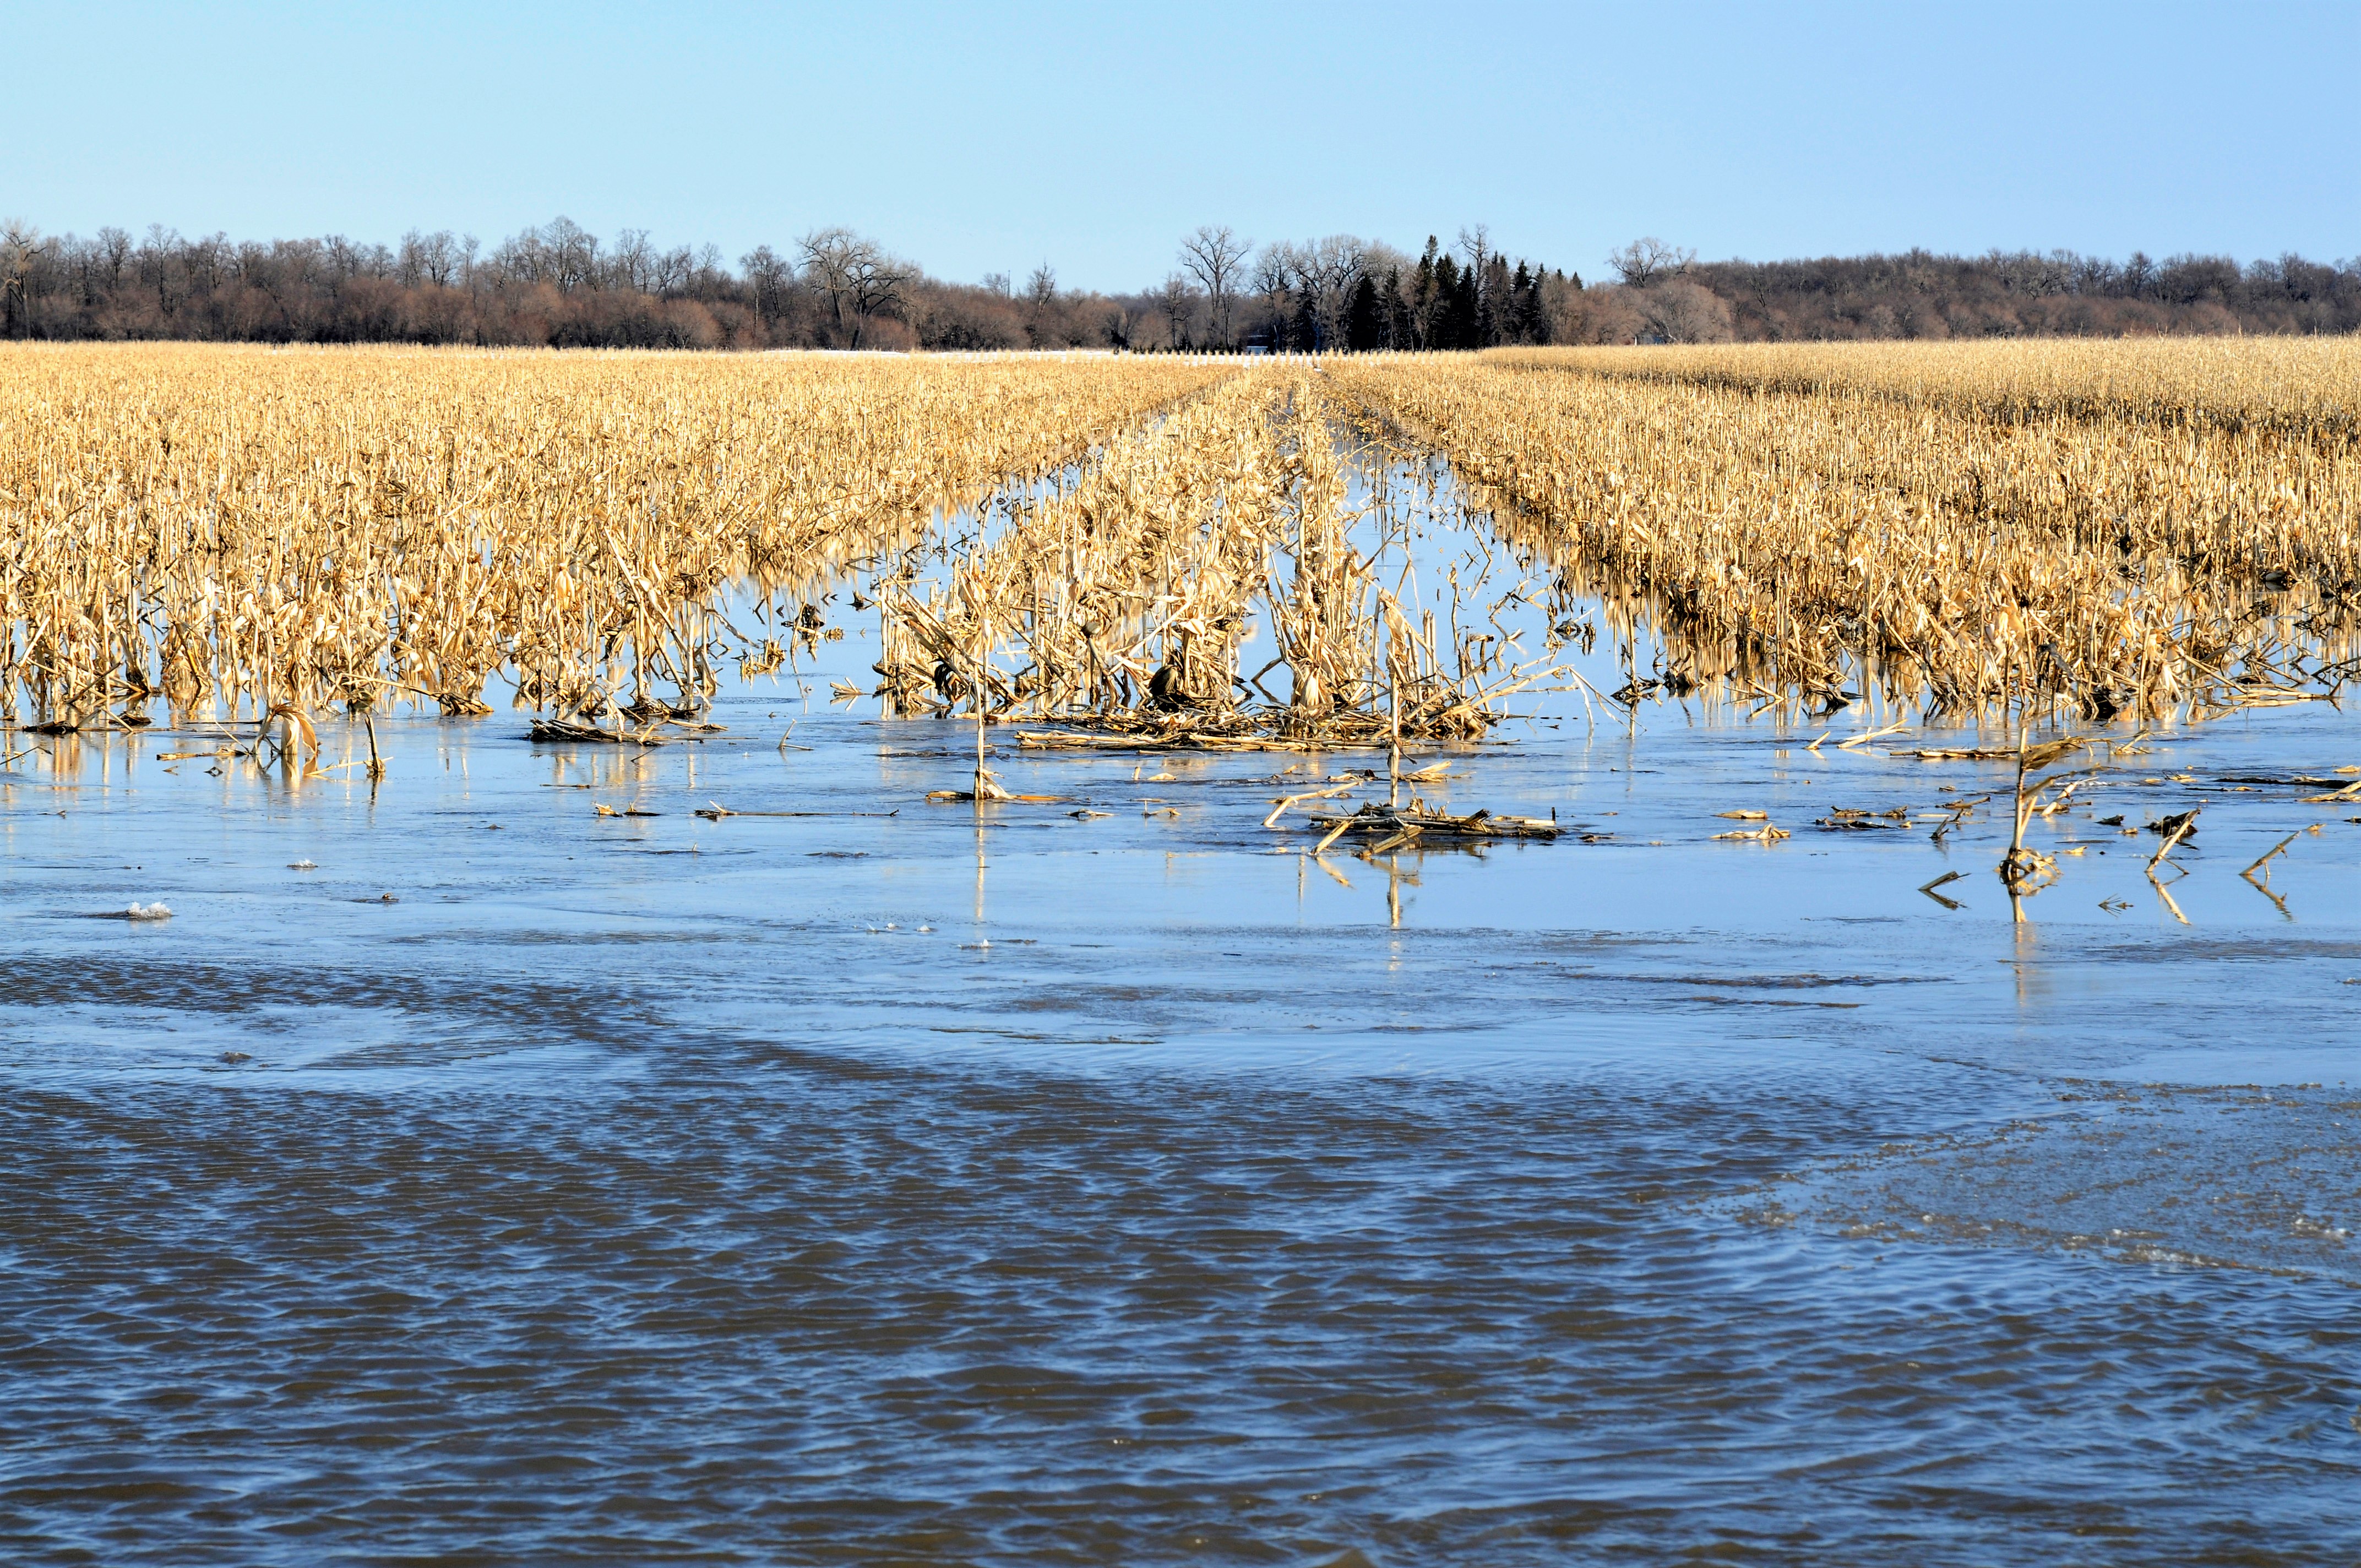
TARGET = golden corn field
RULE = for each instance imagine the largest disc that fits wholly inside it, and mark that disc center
(2102, 528)
(2307, 386)
(1899, 516)
(238, 530)
(1130, 598)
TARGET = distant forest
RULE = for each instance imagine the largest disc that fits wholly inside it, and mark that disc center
(558, 285)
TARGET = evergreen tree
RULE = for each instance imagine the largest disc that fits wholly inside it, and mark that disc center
(1492, 303)
(1400, 331)
(1425, 312)
(1303, 330)
(1456, 298)
(1364, 323)
(1526, 305)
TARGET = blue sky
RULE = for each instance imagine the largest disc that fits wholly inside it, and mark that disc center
(978, 139)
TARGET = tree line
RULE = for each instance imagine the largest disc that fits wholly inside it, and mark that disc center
(1352, 295)
(558, 285)
(2057, 293)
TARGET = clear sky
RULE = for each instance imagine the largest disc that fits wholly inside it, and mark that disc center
(976, 139)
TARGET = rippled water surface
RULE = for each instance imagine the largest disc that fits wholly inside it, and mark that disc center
(462, 1176)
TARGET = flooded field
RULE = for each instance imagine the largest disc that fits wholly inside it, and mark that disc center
(1613, 1109)
(464, 1173)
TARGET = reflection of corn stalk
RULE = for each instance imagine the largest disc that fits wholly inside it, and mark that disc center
(289, 735)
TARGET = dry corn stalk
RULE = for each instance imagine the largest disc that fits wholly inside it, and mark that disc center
(242, 530)
(1128, 600)
(2109, 559)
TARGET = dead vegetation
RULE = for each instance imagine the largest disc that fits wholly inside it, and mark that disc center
(1123, 608)
(2302, 389)
(1800, 539)
(247, 533)
(1163, 556)
(2066, 529)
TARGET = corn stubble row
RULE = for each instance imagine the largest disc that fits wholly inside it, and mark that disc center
(245, 532)
(1137, 600)
(1926, 528)
(2304, 387)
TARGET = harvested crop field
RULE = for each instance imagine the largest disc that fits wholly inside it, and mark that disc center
(2045, 529)
(1542, 956)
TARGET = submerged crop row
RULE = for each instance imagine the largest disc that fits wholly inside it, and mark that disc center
(239, 531)
(2120, 527)
(1795, 539)
(1208, 579)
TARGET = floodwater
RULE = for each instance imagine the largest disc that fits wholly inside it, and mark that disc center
(460, 1175)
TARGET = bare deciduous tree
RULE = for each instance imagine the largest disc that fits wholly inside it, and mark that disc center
(427, 259)
(1327, 269)
(766, 275)
(1179, 302)
(20, 242)
(1678, 310)
(1274, 278)
(633, 256)
(1041, 305)
(115, 247)
(1476, 244)
(573, 254)
(854, 274)
(114, 284)
(1213, 255)
(1649, 259)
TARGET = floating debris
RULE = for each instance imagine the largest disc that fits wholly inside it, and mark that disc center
(714, 811)
(1391, 827)
(567, 730)
(1943, 881)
